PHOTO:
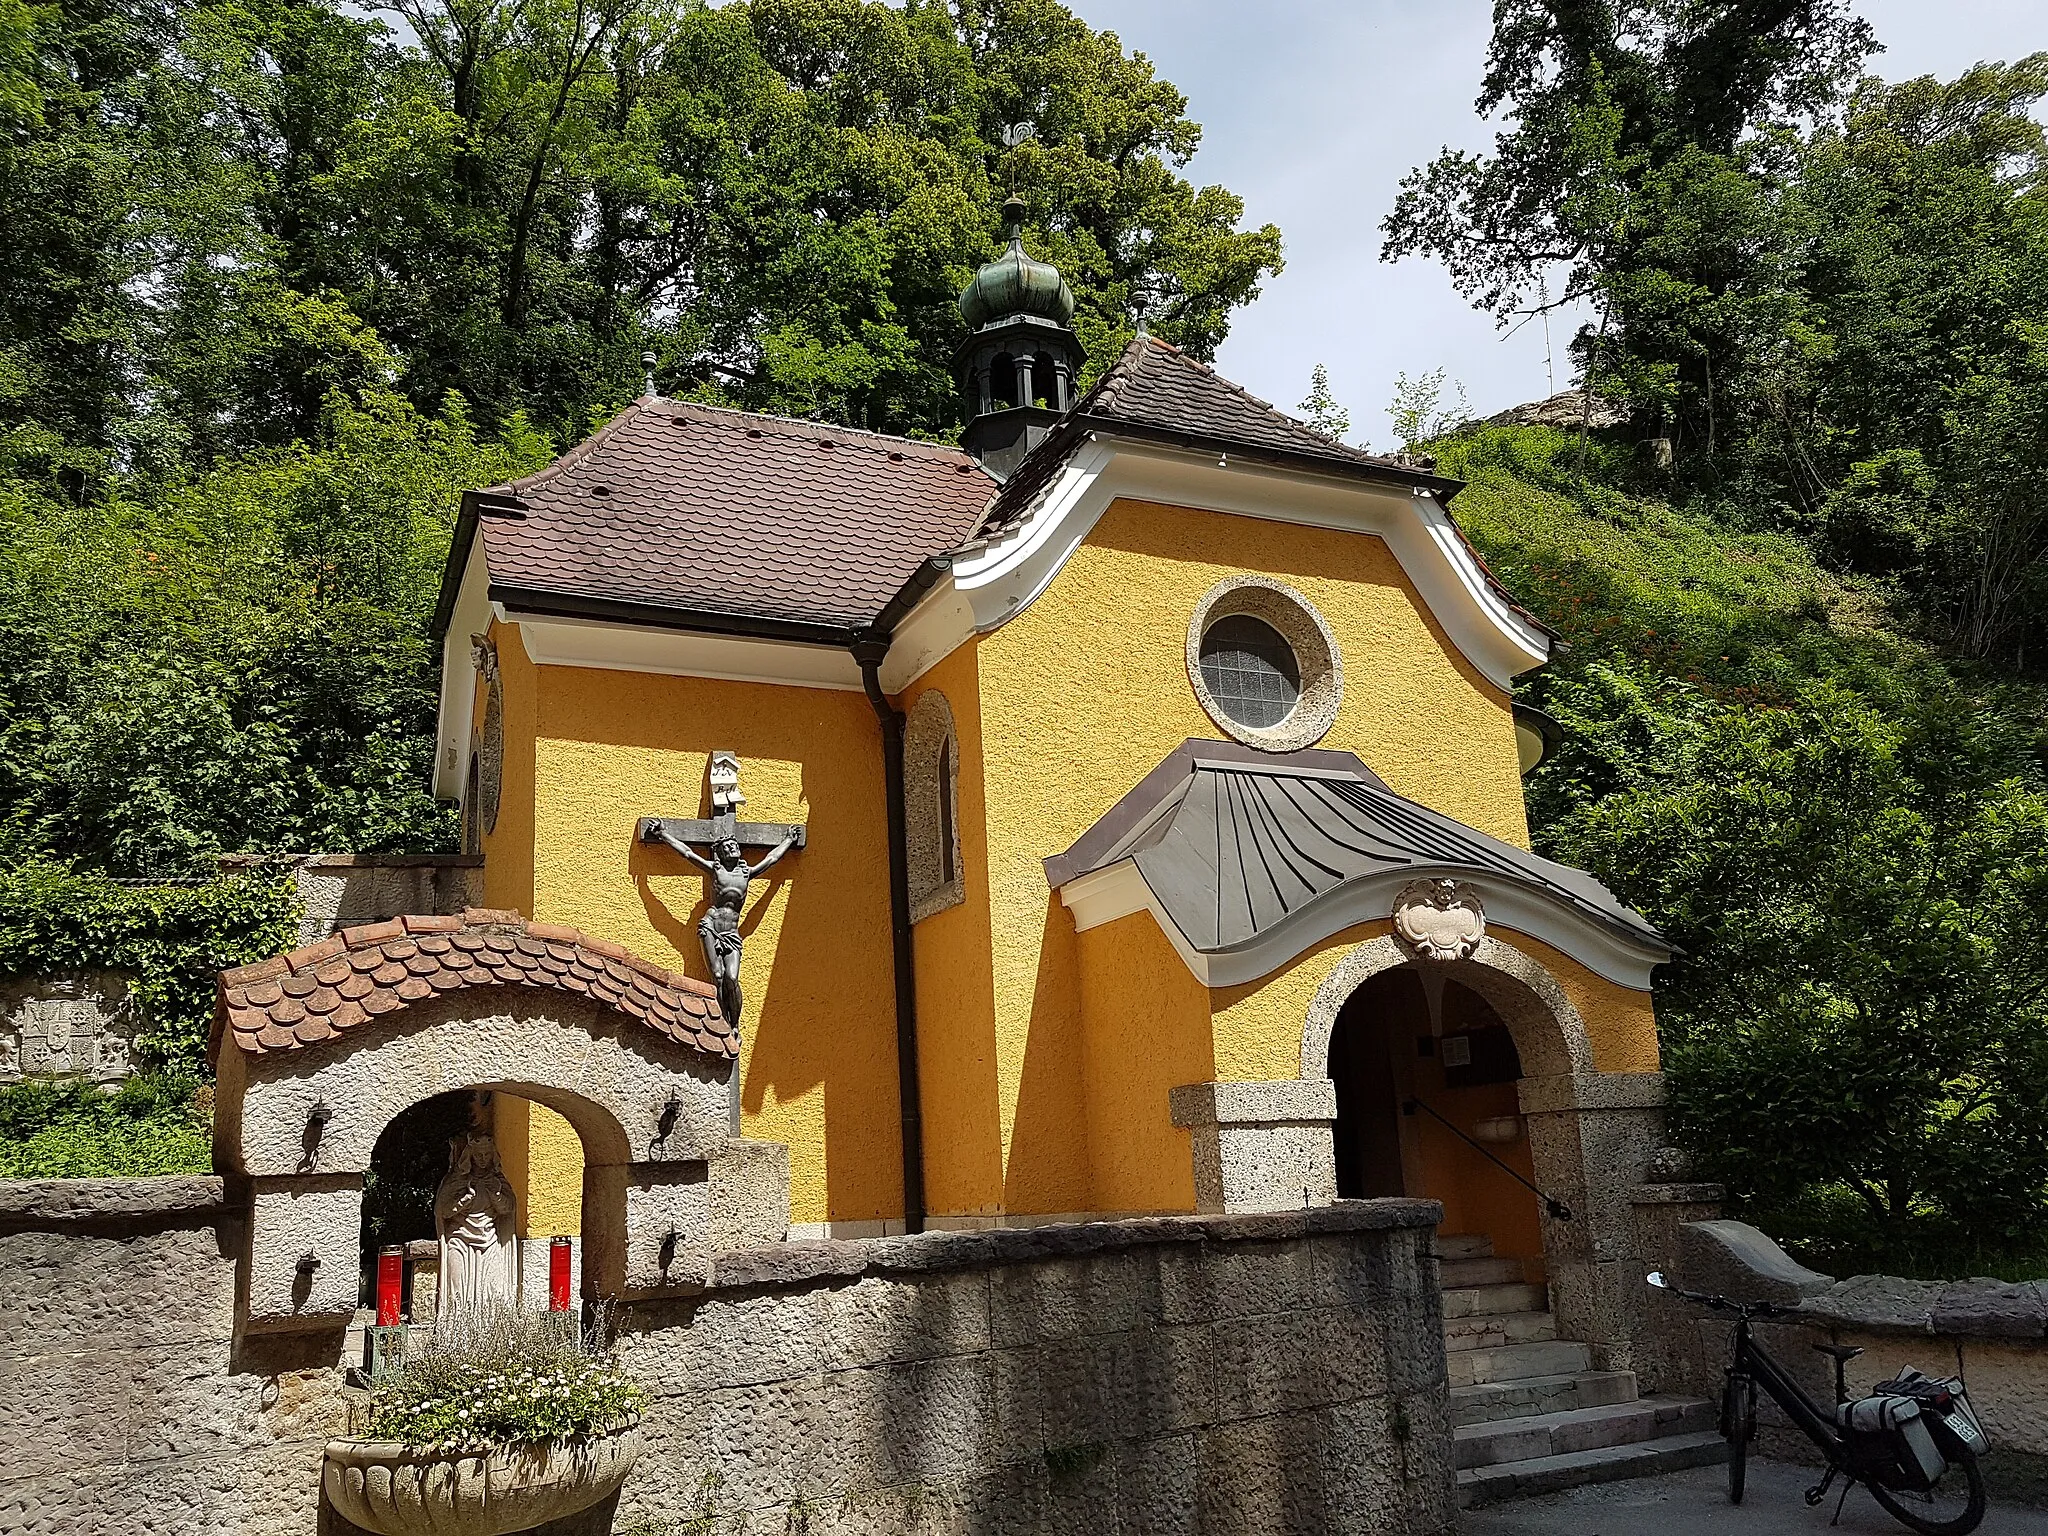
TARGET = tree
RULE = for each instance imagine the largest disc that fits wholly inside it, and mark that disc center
(1421, 410)
(1631, 121)
(284, 277)
(238, 661)
(1860, 1012)
(220, 210)
(1321, 409)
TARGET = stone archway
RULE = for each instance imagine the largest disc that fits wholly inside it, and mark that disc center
(1548, 1031)
(318, 1051)
(1591, 1133)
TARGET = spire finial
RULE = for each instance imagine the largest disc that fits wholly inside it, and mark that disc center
(1014, 210)
(647, 361)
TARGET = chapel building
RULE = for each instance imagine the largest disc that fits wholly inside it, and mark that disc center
(1147, 775)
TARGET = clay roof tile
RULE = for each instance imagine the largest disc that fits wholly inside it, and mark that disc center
(312, 954)
(377, 968)
(491, 917)
(679, 505)
(262, 970)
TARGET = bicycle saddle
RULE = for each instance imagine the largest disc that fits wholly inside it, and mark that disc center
(1841, 1353)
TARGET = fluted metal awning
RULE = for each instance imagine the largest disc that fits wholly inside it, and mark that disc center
(1232, 843)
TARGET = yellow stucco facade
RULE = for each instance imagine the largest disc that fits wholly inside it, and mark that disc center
(1084, 692)
(1046, 1054)
(588, 752)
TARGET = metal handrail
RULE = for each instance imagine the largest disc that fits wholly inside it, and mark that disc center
(1557, 1209)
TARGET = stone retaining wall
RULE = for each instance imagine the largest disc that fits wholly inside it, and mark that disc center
(1250, 1374)
(341, 889)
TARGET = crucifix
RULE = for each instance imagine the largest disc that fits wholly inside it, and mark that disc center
(727, 837)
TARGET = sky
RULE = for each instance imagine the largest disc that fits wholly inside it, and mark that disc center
(1312, 112)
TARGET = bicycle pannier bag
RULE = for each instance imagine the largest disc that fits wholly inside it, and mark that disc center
(1945, 1405)
(1897, 1422)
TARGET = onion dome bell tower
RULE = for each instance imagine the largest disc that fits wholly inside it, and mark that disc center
(1021, 360)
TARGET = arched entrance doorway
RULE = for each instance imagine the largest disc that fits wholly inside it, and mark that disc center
(1585, 1136)
(1428, 1106)
(541, 1157)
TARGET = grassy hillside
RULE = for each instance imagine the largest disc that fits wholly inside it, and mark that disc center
(1844, 830)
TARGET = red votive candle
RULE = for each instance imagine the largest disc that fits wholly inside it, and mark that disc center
(390, 1284)
(558, 1275)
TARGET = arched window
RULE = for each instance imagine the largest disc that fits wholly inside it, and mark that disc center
(931, 805)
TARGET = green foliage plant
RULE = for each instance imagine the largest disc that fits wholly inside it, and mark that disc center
(171, 940)
(1422, 407)
(1321, 410)
(236, 660)
(1845, 833)
(780, 198)
(1862, 1006)
(1821, 291)
(507, 1376)
(154, 1124)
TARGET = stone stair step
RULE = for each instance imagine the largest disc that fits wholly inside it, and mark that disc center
(1551, 1474)
(1463, 1245)
(1512, 1362)
(1485, 1402)
(1492, 1330)
(1492, 1300)
(1468, 1272)
(1580, 1429)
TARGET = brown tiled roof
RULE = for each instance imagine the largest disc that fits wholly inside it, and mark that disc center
(1156, 385)
(680, 505)
(319, 991)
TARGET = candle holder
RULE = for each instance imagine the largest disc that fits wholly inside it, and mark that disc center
(559, 1253)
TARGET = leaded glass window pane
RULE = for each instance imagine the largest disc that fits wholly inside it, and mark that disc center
(1249, 670)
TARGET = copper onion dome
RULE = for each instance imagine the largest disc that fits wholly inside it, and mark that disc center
(1014, 284)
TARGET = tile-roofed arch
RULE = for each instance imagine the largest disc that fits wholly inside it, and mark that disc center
(322, 991)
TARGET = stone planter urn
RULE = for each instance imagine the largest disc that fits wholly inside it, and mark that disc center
(411, 1490)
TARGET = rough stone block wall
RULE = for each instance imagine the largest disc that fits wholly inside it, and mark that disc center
(124, 1404)
(1992, 1333)
(341, 889)
(1245, 1374)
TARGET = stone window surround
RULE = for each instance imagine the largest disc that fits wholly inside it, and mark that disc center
(931, 767)
(1306, 633)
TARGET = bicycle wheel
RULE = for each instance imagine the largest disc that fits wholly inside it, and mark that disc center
(1950, 1508)
(1738, 1423)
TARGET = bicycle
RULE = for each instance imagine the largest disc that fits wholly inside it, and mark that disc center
(1926, 1480)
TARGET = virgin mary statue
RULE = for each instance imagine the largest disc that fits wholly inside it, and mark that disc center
(473, 1215)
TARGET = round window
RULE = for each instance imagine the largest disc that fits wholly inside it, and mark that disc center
(1263, 664)
(1252, 673)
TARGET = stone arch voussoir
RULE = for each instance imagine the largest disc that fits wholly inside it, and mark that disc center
(1550, 1036)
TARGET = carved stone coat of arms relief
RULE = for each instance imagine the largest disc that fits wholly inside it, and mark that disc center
(1439, 919)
